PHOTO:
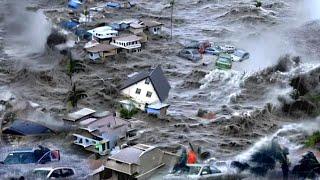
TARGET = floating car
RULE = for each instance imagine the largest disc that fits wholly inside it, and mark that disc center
(200, 171)
(224, 61)
(53, 173)
(213, 50)
(227, 48)
(39, 155)
(191, 54)
(240, 55)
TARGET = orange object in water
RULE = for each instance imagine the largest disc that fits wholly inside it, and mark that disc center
(192, 157)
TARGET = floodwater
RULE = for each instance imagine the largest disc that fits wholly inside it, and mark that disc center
(266, 33)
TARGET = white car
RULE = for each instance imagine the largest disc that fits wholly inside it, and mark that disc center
(227, 48)
(53, 173)
(201, 171)
(239, 55)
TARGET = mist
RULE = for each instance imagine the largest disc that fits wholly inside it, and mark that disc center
(26, 31)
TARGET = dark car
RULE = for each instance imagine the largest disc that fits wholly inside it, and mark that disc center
(190, 54)
(39, 155)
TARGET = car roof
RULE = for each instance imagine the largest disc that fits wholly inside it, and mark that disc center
(197, 165)
(51, 168)
(44, 169)
(22, 150)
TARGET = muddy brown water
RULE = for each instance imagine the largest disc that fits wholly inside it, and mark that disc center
(265, 33)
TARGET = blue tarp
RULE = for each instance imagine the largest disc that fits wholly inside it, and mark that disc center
(69, 25)
(83, 34)
(113, 5)
(74, 4)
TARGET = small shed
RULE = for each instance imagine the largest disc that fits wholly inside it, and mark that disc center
(153, 27)
(136, 28)
(159, 109)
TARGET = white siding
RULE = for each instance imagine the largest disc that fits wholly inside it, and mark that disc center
(142, 98)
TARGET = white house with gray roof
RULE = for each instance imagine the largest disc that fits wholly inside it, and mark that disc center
(146, 88)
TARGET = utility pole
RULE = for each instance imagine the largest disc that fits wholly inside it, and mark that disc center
(172, 5)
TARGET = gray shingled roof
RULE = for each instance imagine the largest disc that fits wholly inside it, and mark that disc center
(157, 78)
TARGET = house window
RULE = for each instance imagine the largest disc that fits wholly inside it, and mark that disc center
(147, 81)
(138, 91)
(149, 94)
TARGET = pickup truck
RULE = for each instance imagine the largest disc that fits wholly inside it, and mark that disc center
(40, 155)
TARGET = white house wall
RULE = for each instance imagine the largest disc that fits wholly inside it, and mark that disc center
(142, 98)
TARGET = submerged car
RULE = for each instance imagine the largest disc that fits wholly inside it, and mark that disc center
(240, 55)
(53, 173)
(39, 155)
(200, 171)
(190, 54)
(224, 61)
(227, 48)
(213, 50)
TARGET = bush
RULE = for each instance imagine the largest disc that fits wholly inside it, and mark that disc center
(258, 3)
(313, 139)
(127, 114)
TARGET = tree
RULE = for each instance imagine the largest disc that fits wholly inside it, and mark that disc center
(258, 3)
(76, 95)
(172, 3)
(74, 66)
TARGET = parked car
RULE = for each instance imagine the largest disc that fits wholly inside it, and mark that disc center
(227, 49)
(53, 173)
(224, 61)
(240, 55)
(213, 50)
(40, 155)
(200, 171)
(191, 54)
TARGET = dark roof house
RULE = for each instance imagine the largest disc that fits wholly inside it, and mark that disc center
(25, 128)
(157, 78)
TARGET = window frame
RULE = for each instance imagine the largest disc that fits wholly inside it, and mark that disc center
(138, 91)
(149, 94)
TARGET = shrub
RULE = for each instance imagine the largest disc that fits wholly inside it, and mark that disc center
(313, 139)
(258, 3)
(127, 114)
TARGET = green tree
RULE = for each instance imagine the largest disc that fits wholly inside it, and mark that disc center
(74, 66)
(76, 95)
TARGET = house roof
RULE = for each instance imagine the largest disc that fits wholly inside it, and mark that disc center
(129, 38)
(152, 23)
(101, 48)
(157, 78)
(129, 155)
(136, 26)
(24, 128)
(79, 114)
(102, 125)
